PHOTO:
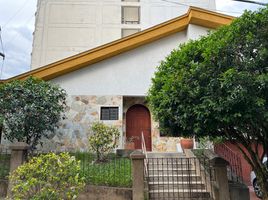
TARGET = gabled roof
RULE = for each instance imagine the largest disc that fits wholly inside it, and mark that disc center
(194, 15)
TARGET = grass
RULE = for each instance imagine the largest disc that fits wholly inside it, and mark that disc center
(116, 171)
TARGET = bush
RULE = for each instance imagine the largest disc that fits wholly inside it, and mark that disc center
(103, 140)
(48, 176)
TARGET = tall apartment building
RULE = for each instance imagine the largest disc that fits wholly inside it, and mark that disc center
(67, 27)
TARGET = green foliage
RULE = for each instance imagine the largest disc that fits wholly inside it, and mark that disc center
(31, 109)
(103, 140)
(48, 176)
(207, 142)
(218, 86)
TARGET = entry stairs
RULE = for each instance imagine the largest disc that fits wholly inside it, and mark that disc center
(173, 176)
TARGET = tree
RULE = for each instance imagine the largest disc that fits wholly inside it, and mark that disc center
(103, 140)
(31, 109)
(218, 86)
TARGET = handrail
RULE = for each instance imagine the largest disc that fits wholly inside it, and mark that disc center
(143, 145)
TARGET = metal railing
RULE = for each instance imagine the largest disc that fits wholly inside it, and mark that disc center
(234, 170)
(116, 171)
(113, 171)
(178, 178)
(144, 151)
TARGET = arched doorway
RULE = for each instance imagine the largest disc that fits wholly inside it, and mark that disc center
(138, 120)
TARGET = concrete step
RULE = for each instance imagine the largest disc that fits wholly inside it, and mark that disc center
(179, 193)
(172, 177)
(154, 185)
(165, 170)
(179, 198)
(165, 155)
(169, 166)
(172, 161)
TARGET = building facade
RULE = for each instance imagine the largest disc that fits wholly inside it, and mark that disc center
(67, 27)
(110, 83)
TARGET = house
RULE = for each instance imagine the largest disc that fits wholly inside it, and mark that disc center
(109, 83)
(66, 27)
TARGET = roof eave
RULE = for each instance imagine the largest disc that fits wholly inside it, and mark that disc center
(194, 15)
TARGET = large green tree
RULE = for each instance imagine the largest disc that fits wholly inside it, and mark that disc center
(218, 86)
(31, 109)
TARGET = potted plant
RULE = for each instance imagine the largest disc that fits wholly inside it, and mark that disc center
(187, 143)
(129, 143)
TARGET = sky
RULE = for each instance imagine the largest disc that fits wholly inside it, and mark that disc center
(17, 18)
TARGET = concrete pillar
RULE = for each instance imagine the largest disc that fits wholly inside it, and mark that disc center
(137, 159)
(18, 157)
(18, 154)
(221, 187)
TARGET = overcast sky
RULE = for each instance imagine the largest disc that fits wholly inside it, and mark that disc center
(17, 22)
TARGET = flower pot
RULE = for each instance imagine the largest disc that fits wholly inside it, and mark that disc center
(130, 145)
(187, 143)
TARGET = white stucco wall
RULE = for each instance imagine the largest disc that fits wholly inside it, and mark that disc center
(67, 27)
(194, 32)
(129, 73)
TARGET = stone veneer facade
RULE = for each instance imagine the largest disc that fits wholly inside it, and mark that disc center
(83, 110)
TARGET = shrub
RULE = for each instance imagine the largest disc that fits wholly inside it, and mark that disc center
(103, 140)
(47, 176)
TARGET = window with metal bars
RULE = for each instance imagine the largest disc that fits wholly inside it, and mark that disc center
(109, 113)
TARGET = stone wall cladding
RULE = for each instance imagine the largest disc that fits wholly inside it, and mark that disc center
(82, 111)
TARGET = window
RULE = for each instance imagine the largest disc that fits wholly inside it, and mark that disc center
(129, 31)
(109, 113)
(130, 15)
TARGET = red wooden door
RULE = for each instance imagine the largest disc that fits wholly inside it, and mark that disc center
(138, 120)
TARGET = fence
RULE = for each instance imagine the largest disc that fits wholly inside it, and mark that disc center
(113, 171)
(179, 178)
(116, 171)
(169, 178)
(234, 169)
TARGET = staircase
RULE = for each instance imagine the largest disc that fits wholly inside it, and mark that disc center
(172, 176)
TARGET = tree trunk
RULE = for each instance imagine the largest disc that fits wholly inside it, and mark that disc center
(258, 167)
